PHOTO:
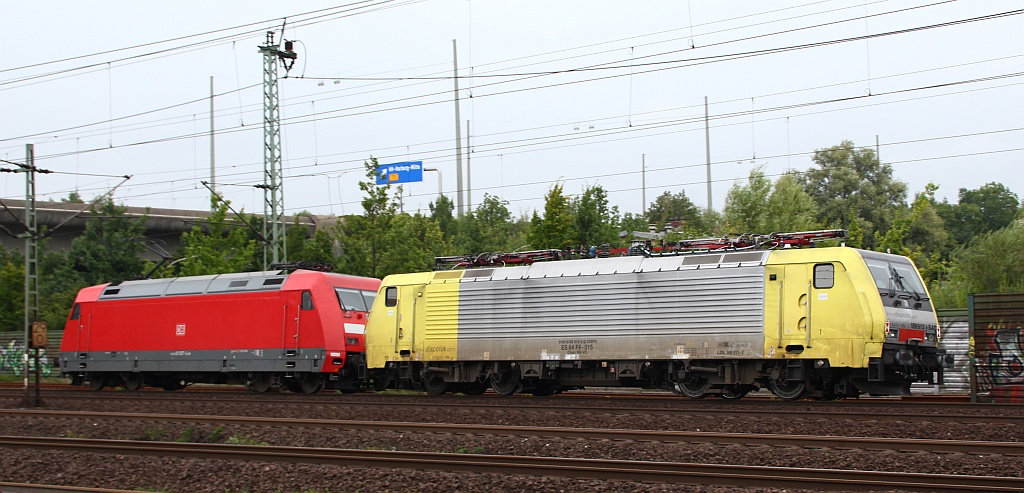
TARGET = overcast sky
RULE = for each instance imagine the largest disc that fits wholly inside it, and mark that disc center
(582, 93)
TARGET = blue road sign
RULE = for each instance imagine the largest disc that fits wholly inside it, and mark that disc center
(404, 172)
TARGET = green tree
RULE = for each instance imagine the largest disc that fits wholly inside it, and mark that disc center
(59, 284)
(790, 207)
(596, 221)
(987, 208)
(672, 207)
(365, 239)
(927, 237)
(633, 222)
(442, 211)
(851, 185)
(998, 205)
(12, 291)
(746, 206)
(222, 246)
(993, 262)
(414, 242)
(556, 228)
(109, 248)
(316, 247)
(489, 228)
(763, 207)
(73, 198)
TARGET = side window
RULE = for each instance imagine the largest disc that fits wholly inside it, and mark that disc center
(350, 299)
(391, 296)
(368, 297)
(76, 312)
(824, 276)
(307, 300)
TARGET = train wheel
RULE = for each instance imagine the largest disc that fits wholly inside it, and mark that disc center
(434, 384)
(96, 382)
(261, 382)
(789, 390)
(694, 387)
(309, 383)
(505, 384)
(735, 391)
(133, 382)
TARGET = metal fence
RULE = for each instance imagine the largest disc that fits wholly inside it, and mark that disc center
(12, 351)
(956, 340)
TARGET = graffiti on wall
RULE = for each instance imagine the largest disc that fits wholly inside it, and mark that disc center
(999, 357)
(12, 359)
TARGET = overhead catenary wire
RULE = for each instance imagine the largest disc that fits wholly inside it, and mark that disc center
(508, 145)
(210, 42)
(525, 75)
(533, 147)
(699, 61)
(513, 148)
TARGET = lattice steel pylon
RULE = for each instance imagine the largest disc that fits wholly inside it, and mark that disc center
(273, 184)
(31, 267)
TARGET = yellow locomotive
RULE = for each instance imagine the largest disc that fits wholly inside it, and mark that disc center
(826, 322)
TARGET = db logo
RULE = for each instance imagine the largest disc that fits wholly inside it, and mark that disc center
(179, 330)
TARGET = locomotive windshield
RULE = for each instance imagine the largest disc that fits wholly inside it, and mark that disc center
(896, 278)
(354, 299)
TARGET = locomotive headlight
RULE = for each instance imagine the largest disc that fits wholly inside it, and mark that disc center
(821, 363)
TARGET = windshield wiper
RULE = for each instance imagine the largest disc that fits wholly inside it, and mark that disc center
(895, 275)
(896, 278)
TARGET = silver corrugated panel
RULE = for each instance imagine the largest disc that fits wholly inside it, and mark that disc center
(216, 283)
(956, 341)
(705, 313)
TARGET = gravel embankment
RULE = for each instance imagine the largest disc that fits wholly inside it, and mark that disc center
(214, 476)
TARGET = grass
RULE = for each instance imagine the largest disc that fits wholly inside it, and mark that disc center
(244, 440)
(6, 377)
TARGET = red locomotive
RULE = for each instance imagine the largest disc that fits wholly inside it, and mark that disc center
(301, 331)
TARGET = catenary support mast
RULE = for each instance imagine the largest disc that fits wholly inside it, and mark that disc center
(273, 189)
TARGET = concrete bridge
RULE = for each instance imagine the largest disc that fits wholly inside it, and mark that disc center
(163, 226)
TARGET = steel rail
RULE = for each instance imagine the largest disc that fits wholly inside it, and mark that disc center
(6, 487)
(685, 409)
(778, 440)
(616, 470)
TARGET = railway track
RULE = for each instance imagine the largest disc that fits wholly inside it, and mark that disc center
(808, 410)
(6, 487)
(616, 470)
(778, 440)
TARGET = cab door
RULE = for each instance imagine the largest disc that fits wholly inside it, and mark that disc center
(80, 321)
(290, 323)
(405, 318)
(399, 310)
(794, 287)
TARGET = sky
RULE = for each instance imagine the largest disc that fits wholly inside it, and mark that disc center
(577, 93)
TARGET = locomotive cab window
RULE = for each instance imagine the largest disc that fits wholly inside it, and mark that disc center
(307, 300)
(351, 299)
(391, 296)
(76, 312)
(824, 276)
(368, 297)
